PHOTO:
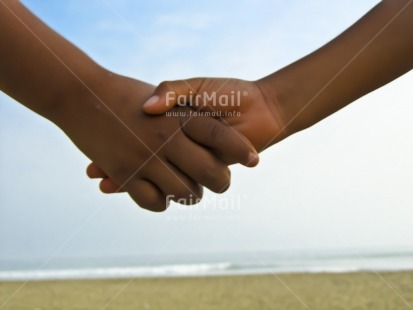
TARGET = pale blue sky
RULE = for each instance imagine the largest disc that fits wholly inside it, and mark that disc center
(345, 183)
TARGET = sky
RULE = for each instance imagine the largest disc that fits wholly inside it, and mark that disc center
(345, 183)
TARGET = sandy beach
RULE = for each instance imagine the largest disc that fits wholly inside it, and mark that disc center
(365, 290)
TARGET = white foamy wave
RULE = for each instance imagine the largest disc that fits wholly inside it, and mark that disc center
(116, 272)
(227, 266)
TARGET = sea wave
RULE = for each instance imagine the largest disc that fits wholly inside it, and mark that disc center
(115, 272)
(235, 266)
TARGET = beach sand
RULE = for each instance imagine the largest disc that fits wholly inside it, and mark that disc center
(295, 291)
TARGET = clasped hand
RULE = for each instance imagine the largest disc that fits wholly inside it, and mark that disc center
(192, 145)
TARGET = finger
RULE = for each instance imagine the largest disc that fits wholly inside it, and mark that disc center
(175, 185)
(94, 172)
(227, 143)
(108, 186)
(171, 93)
(201, 166)
(147, 195)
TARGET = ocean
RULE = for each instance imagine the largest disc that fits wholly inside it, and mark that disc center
(206, 264)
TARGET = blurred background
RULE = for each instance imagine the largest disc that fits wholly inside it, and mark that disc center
(341, 189)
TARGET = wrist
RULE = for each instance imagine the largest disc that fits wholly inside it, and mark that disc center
(293, 91)
(79, 93)
(284, 101)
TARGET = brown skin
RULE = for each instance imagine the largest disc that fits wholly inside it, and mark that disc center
(371, 53)
(257, 117)
(149, 157)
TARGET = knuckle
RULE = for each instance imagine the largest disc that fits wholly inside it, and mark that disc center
(145, 197)
(164, 85)
(162, 135)
(119, 172)
(191, 196)
(208, 174)
(215, 178)
(153, 203)
(183, 193)
(155, 206)
(187, 122)
(243, 154)
(217, 132)
(188, 195)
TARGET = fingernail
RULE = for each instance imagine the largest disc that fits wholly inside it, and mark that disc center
(253, 159)
(151, 101)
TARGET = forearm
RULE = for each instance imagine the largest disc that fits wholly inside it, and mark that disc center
(38, 67)
(373, 52)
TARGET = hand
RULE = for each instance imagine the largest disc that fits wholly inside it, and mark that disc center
(149, 157)
(251, 115)
(227, 144)
(242, 105)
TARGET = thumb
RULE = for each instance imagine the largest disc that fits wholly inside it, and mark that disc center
(171, 93)
(228, 144)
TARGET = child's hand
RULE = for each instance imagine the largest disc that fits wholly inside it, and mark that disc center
(248, 113)
(240, 104)
(229, 145)
(150, 157)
